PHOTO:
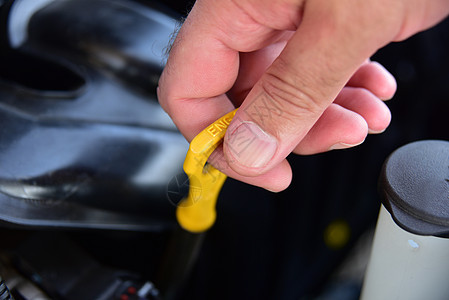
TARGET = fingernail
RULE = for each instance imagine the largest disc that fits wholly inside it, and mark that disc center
(250, 146)
(339, 146)
(370, 131)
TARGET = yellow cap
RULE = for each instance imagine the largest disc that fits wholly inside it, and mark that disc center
(196, 213)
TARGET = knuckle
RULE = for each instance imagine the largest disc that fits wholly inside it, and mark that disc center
(291, 95)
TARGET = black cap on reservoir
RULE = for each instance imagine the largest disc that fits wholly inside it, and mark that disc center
(414, 185)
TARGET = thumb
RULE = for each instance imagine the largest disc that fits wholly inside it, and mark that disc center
(295, 91)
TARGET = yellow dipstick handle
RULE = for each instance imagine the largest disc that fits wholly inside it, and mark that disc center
(196, 213)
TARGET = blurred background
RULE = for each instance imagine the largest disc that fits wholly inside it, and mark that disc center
(88, 159)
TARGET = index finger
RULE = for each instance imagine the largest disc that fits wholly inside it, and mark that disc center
(199, 71)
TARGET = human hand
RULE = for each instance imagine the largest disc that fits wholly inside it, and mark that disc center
(298, 70)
